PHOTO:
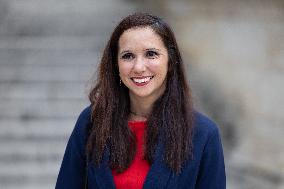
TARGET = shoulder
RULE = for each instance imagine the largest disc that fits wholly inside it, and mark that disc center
(207, 164)
(203, 124)
(85, 114)
(83, 124)
(73, 163)
(204, 129)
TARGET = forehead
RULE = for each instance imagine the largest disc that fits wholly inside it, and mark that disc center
(140, 37)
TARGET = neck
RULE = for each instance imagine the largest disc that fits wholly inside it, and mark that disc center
(138, 114)
(140, 107)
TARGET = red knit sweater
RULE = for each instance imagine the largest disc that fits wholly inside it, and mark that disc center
(135, 175)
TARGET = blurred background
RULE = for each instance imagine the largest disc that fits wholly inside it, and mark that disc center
(50, 50)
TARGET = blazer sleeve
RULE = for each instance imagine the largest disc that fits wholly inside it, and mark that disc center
(72, 170)
(212, 168)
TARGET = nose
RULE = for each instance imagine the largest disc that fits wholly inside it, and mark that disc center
(139, 65)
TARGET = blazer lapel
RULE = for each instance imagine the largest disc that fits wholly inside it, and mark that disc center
(159, 174)
(102, 173)
(157, 177)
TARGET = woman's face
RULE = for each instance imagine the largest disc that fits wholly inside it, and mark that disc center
(143, 63)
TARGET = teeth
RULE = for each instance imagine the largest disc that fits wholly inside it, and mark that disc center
(146, 79)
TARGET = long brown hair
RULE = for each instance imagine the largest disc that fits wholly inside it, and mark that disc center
(171, 116)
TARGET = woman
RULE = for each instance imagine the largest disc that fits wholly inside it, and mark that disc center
(140, 129)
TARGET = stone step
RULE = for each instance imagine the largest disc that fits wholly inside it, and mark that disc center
(22, 56)
(34, 154)
(24, 182)
(53, 43)
(35, 109)
(35, 145)
(31, 161)
(17, 151)
(44, 90)
(73, 17)
(30, 185)
(46, 73)
(13, 158)
(84, 7)
(42, 129)
(28, 172)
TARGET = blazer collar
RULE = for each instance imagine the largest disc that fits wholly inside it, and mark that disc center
(157, 176)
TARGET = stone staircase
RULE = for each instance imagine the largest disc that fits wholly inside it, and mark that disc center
(49, 51)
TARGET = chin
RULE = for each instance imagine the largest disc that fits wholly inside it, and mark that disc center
(141, 95)
(147, 94)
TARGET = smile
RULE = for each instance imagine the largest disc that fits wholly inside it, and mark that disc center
(141, 81)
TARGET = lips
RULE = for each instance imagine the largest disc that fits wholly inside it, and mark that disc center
(141, 81)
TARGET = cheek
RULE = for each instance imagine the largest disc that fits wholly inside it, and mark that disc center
(160, 69)
(124, 69)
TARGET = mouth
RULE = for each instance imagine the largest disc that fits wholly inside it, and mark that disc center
(141, 81)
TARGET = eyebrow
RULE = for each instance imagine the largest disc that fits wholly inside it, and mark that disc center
(153, 49)
(127, 51)
(123, 52)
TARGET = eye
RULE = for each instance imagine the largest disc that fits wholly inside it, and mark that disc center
(151, 54)
(128, 56)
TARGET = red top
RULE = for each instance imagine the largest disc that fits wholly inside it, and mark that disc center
(135, 175)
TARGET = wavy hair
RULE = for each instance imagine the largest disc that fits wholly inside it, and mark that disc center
(170, 121)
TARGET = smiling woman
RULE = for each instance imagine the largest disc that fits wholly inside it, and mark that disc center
(143, 67)
(141, 130)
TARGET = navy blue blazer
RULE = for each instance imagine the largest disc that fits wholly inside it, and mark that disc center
(205, 171)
